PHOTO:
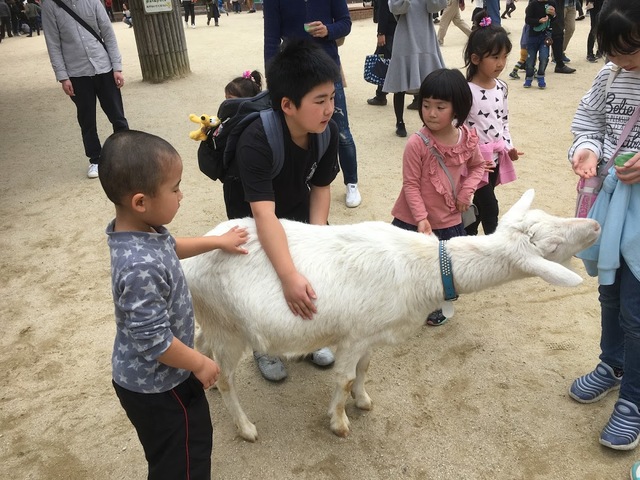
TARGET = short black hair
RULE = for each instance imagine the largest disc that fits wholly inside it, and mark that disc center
(299, 67)
(484, 42)
(448, 85)
(134, 162)
(618, 30)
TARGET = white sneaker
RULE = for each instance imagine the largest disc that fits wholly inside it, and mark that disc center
(193, 25)
(93, 170)
(353, 198)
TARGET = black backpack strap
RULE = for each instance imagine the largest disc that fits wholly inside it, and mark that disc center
(323, 142)
(81, 21)
(275, 137)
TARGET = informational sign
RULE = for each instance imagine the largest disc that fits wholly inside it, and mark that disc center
(157, 6)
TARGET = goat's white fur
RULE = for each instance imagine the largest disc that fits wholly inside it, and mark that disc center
(375, 285)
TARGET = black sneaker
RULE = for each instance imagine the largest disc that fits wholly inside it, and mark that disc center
(413, 105)
(401, 130)
(379, 101)
(592, 58)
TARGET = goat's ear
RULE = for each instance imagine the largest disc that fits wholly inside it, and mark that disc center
(520, 207)
(551, 272)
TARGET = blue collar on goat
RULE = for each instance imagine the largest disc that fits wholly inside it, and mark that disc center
(446, 273)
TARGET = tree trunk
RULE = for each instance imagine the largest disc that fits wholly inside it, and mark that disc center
(161, 44)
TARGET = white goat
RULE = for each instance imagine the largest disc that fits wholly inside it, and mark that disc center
(375, 283)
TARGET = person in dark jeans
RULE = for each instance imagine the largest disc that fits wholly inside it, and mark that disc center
(557, 34)
(386, 29)
(591, 39)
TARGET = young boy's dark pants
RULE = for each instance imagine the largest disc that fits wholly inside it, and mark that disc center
(174, 428)
(87, 89)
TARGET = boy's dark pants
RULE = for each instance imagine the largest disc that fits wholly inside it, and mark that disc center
(87, 89)
(174, 428)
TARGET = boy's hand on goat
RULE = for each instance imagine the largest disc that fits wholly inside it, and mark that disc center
(630, 172)
(585, 163)
(424, 227)
(232, 240)
(299, 295)
(207, 373)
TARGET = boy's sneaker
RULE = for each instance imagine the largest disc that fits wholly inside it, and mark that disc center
(541, 82)
(323, 357)
(595, 385)
(93, 170)
(353, 198)
(623, 430)
(271, 368)
(514, 75)
(527, 82)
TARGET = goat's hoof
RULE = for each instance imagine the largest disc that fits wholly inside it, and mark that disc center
(249, 432)
(340, 426)
(364, 403)
(342, 431)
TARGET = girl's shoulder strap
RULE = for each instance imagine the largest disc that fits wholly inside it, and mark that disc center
(613, 73)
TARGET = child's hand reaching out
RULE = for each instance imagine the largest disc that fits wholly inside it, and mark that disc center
(230, 242)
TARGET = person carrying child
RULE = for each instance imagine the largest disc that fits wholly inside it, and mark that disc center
(301, 83)
(158, 377)
(603, 122)
(538, 15)
(249, 84)
(485, 57)
(427, 202)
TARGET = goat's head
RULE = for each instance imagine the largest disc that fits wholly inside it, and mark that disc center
(544, 241)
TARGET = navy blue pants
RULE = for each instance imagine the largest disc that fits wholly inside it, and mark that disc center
(87, 90)
(174, 429)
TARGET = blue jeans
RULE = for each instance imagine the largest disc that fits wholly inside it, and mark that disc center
(346, 145)
(535, 47)
(493, 9)
(620, 338)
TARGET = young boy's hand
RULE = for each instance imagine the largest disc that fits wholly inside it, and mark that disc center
(585, 163)
(207, 373)
(230, 242)
(299, 295)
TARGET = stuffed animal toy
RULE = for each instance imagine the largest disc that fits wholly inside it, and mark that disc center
(206, 122)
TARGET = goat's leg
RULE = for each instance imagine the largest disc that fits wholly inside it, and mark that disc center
(226, 387)
(228, 354)
(345, 369)
(363, 401)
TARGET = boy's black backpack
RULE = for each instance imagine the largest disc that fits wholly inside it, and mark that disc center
(216, 154)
